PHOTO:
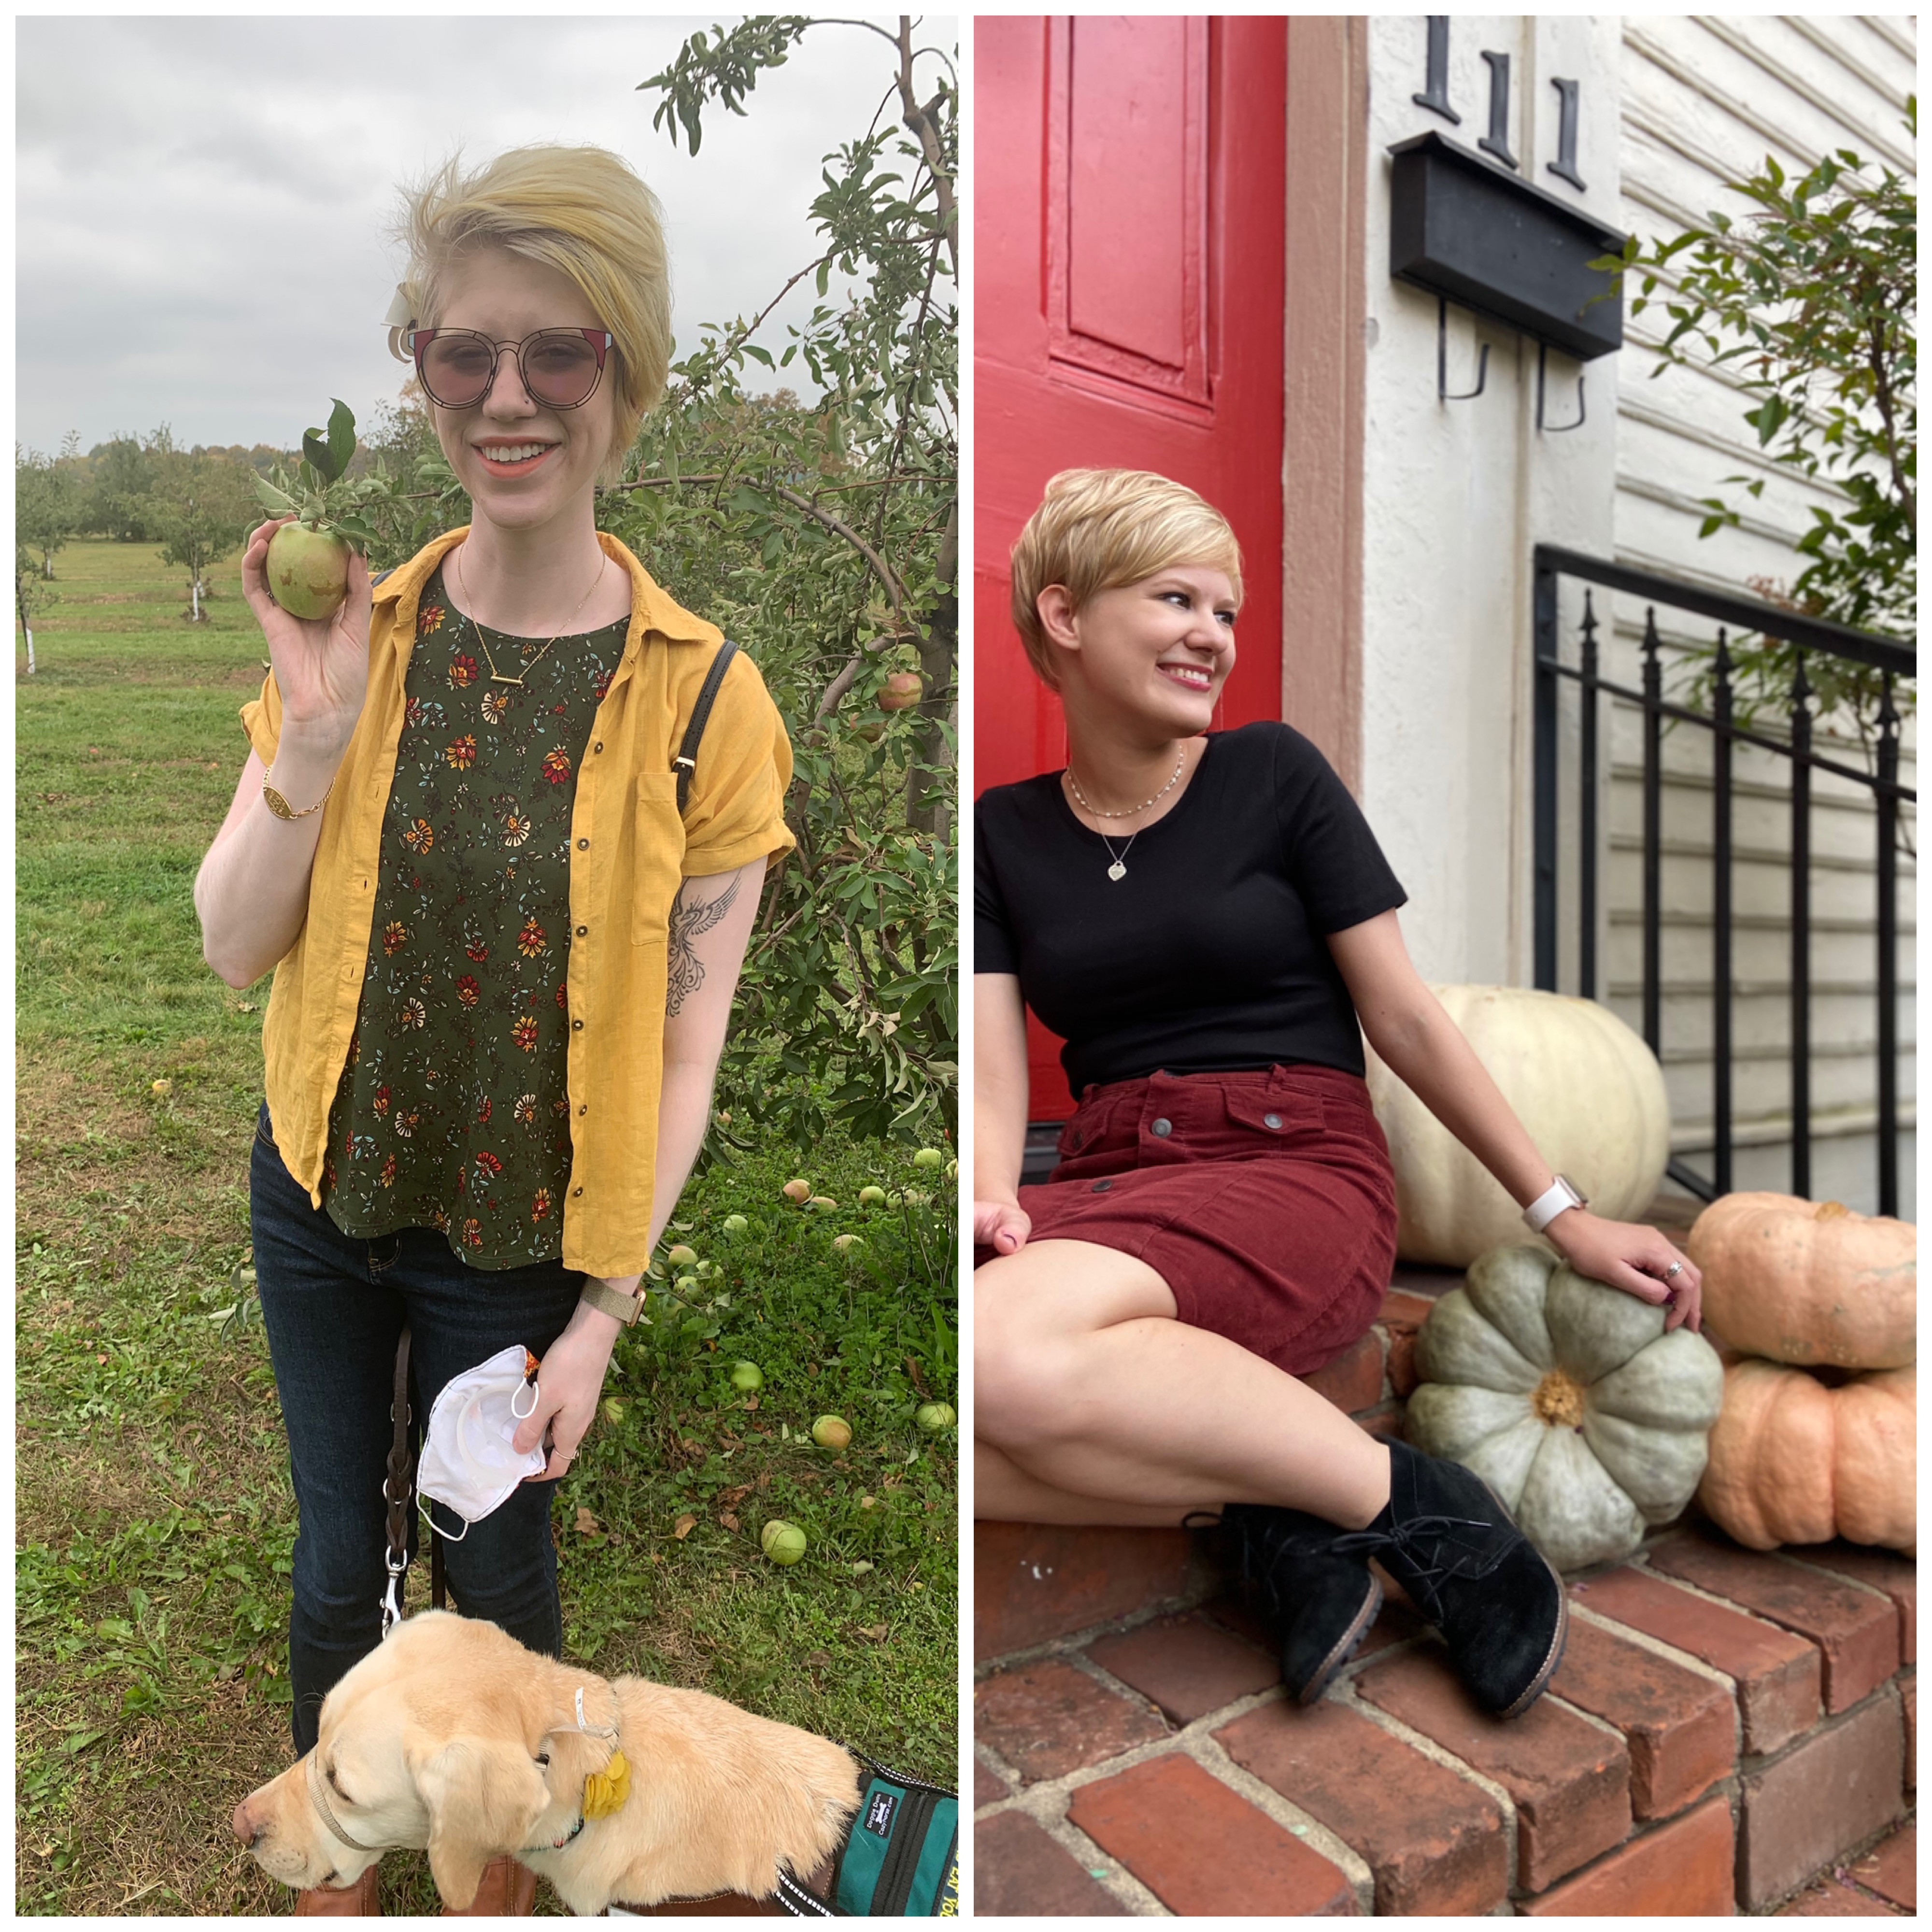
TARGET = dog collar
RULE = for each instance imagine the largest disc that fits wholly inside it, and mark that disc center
(320, 1799)
(558, 1844)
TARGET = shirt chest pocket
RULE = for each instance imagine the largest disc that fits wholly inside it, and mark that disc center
(658, 836)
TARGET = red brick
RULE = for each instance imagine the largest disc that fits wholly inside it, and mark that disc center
(1897, 1577)
(1403, 1316)
(1908, 1696)
(1386, 1421)
(1203, 1850)
(1186, 1665)
(1890, 1868)
(1829, 1792)
(988, 1788)
(1856, 1631)
(1828, 1899)
(1031, 1583)
(1354, 1379)
(1779, 1676)
(1682, 1729)
(1018, 1872)
(1433, 1840)
(1682, 1870)
(1569, 1781)
(1047, 1719)
(1396, 1623)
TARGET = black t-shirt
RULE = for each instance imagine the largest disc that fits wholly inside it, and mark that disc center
(1208, 955)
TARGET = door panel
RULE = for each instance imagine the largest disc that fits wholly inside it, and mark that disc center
(1128, 239)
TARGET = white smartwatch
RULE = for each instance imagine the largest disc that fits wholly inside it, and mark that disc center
(1545, 1208)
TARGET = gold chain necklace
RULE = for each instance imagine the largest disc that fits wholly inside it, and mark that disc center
(1128, 813)
(475, 624)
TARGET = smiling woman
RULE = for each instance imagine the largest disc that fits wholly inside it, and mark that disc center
(506, 896)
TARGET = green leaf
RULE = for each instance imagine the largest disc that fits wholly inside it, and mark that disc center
(341, 437)
(275, 501)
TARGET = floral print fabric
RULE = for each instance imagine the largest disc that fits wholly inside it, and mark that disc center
(452, 1111)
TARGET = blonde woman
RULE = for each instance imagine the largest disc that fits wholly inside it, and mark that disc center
(504, 955)
(1209, 923)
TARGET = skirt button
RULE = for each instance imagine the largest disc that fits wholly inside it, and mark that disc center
(1101, 1186)
(1161, 1128)
(1271, 1120)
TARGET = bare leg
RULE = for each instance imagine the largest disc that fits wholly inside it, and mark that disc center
(1086, 1383)
(1003, 1492)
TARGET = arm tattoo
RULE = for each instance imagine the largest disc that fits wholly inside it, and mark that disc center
(690, 916)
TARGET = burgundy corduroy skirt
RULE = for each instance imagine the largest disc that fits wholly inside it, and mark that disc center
(1265, 1202)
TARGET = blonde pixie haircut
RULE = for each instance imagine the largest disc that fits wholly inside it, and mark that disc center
(580, 211)
(1098, 530)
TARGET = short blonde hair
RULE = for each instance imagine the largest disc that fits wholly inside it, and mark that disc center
(1098, 530)
(581, 211)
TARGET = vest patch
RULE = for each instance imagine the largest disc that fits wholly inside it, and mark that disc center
(879, 1813)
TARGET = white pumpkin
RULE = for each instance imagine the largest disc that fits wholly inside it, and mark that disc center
(1567, 1398)
(1586, 1087)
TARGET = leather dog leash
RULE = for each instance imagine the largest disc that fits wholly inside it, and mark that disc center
(399, 1488)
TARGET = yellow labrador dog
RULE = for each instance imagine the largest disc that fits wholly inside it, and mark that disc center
(453, 1738)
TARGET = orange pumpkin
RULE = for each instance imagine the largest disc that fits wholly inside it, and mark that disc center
(1794, 1460)
(1800, 1282)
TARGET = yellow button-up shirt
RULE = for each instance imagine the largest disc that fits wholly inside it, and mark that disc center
(630, 849)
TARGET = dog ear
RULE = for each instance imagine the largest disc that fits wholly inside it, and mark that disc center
(575, 1756)
(483, 1797)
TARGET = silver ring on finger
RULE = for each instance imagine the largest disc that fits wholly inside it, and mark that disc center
(1675, 1267)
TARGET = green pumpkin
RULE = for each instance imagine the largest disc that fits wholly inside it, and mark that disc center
(1567, 1398)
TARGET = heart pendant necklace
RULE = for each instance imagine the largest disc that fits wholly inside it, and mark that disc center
(1118, 870)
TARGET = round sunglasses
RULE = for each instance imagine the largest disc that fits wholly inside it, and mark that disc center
(560, 367)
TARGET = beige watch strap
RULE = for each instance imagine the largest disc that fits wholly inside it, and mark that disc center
(605, 1299)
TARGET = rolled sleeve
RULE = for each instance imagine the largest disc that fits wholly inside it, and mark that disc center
(262, 719)
(736, 812)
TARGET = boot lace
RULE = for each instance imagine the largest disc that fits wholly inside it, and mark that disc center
(1431, 1533)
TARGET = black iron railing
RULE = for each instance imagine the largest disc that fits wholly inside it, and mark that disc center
(1810, 638)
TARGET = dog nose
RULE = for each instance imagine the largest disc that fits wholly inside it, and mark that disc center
(244, 1828)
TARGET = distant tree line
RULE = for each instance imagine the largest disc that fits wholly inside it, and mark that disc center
(197, 504)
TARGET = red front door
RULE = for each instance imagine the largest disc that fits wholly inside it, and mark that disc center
(1128, 301)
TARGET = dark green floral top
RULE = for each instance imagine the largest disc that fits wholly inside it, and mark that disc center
(452, 1111)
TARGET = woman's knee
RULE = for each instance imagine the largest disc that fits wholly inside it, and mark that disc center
(1024, 1375)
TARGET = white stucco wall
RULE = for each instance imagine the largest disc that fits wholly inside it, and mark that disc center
(1456, 495)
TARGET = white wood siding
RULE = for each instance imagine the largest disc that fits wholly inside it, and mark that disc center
(1703, 101)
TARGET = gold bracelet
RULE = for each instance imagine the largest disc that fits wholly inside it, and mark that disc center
(281, 807)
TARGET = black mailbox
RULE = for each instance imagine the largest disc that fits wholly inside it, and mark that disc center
(1465, 229)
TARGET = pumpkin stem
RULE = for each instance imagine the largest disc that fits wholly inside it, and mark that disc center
(1558, 1400)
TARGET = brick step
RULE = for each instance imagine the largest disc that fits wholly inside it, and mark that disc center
(1728, 1731)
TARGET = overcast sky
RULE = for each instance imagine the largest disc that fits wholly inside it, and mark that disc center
(204, 203)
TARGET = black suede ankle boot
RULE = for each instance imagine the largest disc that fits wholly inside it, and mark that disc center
(1317, 1602)
(1452, 1546)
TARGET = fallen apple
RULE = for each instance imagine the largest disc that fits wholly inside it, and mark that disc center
(747, 1377)
(871, 1197)
(735, 1224)
(932, 1417)
(831, 1431)
(782, 1542)
(796, 1190)
(929, 1157)
(843, 1243)
(680, 1256)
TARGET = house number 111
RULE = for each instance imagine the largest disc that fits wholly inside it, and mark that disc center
(1434, 97)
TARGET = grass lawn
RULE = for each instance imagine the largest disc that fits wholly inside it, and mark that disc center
(154, 1516)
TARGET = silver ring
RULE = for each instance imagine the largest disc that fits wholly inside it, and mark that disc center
(1675, 1267)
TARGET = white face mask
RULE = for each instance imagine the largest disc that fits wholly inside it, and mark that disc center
(467, 1463)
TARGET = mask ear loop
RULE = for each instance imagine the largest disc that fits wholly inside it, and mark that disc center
(435, 1529)
(524, 1414)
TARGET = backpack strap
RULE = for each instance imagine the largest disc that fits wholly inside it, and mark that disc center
(686, 761)
(381, 576)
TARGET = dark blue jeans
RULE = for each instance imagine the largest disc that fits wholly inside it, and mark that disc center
(334, 1309)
